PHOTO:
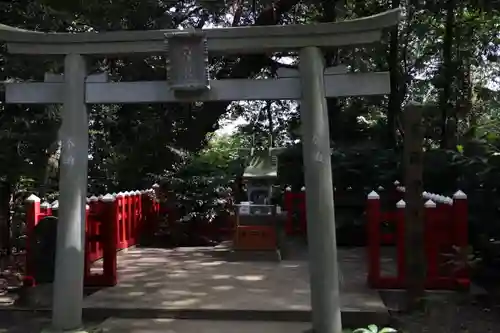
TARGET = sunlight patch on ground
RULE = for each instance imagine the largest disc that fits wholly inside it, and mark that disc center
(223, 288)
(250, 277)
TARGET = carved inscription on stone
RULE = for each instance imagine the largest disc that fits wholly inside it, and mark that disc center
(187, 61)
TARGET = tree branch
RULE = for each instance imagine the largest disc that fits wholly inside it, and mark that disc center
(237, 10)
(248, 66)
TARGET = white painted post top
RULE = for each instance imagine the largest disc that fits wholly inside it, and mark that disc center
(55, 205)
(108, 198)
(459, 195)
(222, 40)
(430, 204)
(373, 196)
(33, 198)
(401, 204)
(442, 198)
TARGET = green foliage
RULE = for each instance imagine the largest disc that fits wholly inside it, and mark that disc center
(374, 329)
(358, 167)
(203, 183)
(444, 56)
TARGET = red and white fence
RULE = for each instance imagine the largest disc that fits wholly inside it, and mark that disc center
(114, 222)
(445, 227)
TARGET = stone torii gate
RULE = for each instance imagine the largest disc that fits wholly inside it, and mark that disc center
(188, 80)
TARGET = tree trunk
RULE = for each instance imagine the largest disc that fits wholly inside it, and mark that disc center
(414, 211)
(394, 105)
(447, 72)
(50, 178)
(269, 114)
(333, 11)
(5, 216)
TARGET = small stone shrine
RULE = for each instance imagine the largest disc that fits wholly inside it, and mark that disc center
(257, 217)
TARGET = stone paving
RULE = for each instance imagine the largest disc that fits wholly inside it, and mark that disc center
(209, 290)
(203, 283)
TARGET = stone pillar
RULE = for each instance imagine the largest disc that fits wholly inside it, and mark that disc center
(323, 265)
(414, 214)
(70, 254)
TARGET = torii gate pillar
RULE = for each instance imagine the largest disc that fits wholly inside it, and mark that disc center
(323, 265)
(73, 193)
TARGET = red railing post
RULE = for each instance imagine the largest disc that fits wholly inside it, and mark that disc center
(45, 209)
(131, 221)
(92, 229)
(303, 212)
(156, 201)
(460, 214)
(122, 215)
(128, 217)
(373, 215)
(400, 243)
(32, 216)
(461, 234)
(88, 245)
(144, 226)
(109, 226)
(431, 241)
(288, 204)
(137, 215)
(155, 192)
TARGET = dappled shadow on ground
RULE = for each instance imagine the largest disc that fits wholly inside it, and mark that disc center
(206, 278)
(194, 278)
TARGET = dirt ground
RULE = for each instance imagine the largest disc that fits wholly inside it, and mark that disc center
(450, 317)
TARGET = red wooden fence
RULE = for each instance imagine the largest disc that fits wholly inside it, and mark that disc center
(294, 204)
(114, 222)
(445, 227)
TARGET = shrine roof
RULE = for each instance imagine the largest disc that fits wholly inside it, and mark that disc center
(262, 164)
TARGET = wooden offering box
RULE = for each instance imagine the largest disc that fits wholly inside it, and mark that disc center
(255, 228)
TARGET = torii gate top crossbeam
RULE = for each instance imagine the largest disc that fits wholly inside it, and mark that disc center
(224, 40)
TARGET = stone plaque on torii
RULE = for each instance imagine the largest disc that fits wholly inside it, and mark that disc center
(188, 81)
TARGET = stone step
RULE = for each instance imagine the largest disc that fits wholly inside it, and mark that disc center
(115, 325)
